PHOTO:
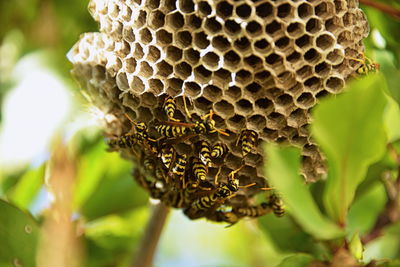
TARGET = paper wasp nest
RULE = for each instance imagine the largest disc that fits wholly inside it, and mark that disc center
(259, 65)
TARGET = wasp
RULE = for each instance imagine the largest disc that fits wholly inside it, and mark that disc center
(125, 141)
(155, 188)
(179, 167)
(218, 150)
(149, 164)
(199, 170)
(174, 198)
(224, 216)
(174, 129)
(253, 211)
(142, 135)
(248, 140)
(205, 153)
(167, 155)
(276, 205)
(367, 65)
(170, 107)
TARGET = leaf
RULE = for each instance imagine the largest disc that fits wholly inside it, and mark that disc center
(28, 187)
(392, 120)
(296, 260)
(18, 237)
(350, 131)
(283, 172)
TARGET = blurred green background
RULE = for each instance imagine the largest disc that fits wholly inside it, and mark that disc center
(42, 107)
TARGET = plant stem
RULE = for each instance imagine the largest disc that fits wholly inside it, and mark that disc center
(145, 253)
(395, 13)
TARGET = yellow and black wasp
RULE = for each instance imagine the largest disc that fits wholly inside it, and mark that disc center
(218, 150)
(178, 169)
(174, 129)
(223, 216)
(125, 141)
(248, 140)
(253, 211)
(170, 107)
(167, 155)
(367, 65)
(205, 153)
(276, 205)
(141, 134)
(199, 170)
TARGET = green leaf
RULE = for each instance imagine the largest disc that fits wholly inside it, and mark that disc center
(18, 237)
(392, 120)
(350, 130)
(28, 187)
(297, 260)
(282, 171)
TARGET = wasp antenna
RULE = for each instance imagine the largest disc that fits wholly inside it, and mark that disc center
(185, 106)
(248, 185)
(222, 132)
(232, 173)
(216, 176)
(129, 118)
(267, 188)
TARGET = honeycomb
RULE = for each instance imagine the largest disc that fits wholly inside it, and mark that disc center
(259, 65)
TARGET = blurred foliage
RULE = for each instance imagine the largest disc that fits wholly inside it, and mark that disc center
(359, 131)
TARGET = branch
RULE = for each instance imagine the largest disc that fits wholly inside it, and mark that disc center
(395, 13)
(148, 244)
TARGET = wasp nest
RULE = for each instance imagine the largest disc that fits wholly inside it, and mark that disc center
(259, 65)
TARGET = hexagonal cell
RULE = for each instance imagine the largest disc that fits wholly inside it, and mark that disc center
(243, 77)
(282, 43)
(164, 69)
(262, 76)
(313, 84)
(262, 45)
(264, 104)
(313, 25)
(335, 57)
(113, 10)
(304, 72)
(312, 56)
(148, 100)
(223, 75)
(186, 6)
(243, 11)
(275, 121)
(200, 40)
(242, 44)
(153, 53)
(345, 38)
(203, 104)
(130, 65)
(141, 19)
(273, 28)
(243, 107)
(212, 93)
(231, 59)
(204, 8)
(269, 134)
(325, 41)
(294, 57)
(194, 21)
(175, 20)
(183, 70)
(144, 114)
(322, 69)
(156, 86)
(284, 100)
(264, 10)
(156, 20)
(231, 27)
(233, 93)
(304, 41)
(340, 6)
(138, 51)
(212, 25)
(145, 36)
(202, 74)
(169, 5)
(122, 81)
(137, 85)
(224, 9)
(295, 29)
(236, 122)
(211, 60)
(284, 11)
(323, 9)
(257, 122)
(163, 37)
(174, 86)
(253, 28)
(305, 100)
(333, 25)
(273, 59)
(128, 34)
(192, 56)
(192, 89)
(288, 132)
(334, 84)
(253, 62)
(183, 39)
(174, 53)
(153, 3)
(224, 109)
(145, 70)
(221, 43)
(305, 10)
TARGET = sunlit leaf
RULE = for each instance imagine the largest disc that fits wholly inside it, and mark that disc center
(392, 120)
(350, 131)
(297, 260)
(283, 172)
(18, 237)
(356, 247)
(28, 187)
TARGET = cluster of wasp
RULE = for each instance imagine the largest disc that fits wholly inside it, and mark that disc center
(180, 181)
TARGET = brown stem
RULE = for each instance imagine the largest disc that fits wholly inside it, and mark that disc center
(148, 244)
(395, 13)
